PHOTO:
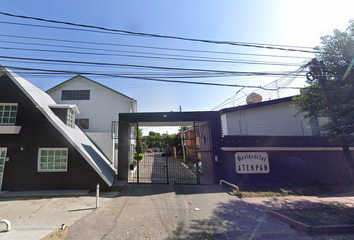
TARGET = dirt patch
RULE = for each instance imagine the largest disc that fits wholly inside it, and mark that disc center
(58, 234)
(292, 190)
(324, 216)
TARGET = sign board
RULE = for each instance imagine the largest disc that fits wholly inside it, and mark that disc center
(252, 162)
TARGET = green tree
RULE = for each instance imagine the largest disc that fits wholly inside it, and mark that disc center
(153, 140)
(333, 97)
(140, 136)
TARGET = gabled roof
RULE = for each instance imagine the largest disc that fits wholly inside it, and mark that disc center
(60, 84)
(72, 106)
(75, 136)
(256, 105)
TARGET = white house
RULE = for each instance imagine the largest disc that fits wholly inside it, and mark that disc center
(99, 106)
(269, 118)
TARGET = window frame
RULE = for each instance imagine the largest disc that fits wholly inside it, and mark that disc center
(79, 121)
(70, 118)
(39, 168)
(75, 94)
(2, 113)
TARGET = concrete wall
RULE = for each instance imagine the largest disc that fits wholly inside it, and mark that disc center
(300, 167)
(300, 160)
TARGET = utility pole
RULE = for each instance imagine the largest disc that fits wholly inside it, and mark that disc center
(317, 70)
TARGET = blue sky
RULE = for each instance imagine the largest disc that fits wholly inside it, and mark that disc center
(288, 23)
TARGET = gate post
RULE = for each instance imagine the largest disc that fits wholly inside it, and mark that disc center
(196, 154)
(137, 152)
(166, 151)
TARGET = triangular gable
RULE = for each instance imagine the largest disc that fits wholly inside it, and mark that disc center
(90, 80)
(75, 136)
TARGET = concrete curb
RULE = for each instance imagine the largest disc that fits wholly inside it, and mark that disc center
(48, 193)
(317, 230)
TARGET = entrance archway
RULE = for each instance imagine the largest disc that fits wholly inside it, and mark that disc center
(189, 161)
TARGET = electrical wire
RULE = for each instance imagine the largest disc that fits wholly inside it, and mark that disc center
(109, 30)
(154, 57)
(151, 79)
(145, 66)
(280, 84)
(139, 46)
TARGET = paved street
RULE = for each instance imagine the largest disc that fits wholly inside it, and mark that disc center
(155, 211)
(152, 211)
(152, 169)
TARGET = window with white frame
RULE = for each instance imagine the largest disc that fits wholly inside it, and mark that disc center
(70, 120)
(8, 112)
(53, 160)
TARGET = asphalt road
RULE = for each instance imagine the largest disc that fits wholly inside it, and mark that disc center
(153, 169)
(161, 211)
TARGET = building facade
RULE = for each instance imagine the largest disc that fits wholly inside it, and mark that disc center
(99, 106)
(40, 147)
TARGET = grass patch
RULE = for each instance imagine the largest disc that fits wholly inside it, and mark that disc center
(322, 216)
(141, 155)
(279, 193)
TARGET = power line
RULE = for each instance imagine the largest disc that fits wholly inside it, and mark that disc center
(149, 67)
(284, 81)
(154, 57)
(139, 46)
(151, 79)
(109, 30)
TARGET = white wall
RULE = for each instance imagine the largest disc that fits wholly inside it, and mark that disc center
(102, 108)
(272, 120)
(104, 142)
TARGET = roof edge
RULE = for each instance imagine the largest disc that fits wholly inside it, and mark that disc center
(255, 105)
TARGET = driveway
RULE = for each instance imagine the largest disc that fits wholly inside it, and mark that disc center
(153, 211)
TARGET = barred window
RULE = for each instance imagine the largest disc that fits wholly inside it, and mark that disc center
(53, 160)
(75, 95)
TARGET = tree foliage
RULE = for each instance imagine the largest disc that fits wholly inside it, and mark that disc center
(336, 53)
(156, 140)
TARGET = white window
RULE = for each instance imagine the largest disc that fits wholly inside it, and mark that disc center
(52, 160)
(8, 113)
(70, 121)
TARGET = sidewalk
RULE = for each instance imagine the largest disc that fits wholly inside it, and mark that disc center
(35, 214)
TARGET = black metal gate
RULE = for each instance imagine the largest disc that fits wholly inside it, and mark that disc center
(163, 164)
(185, 161)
